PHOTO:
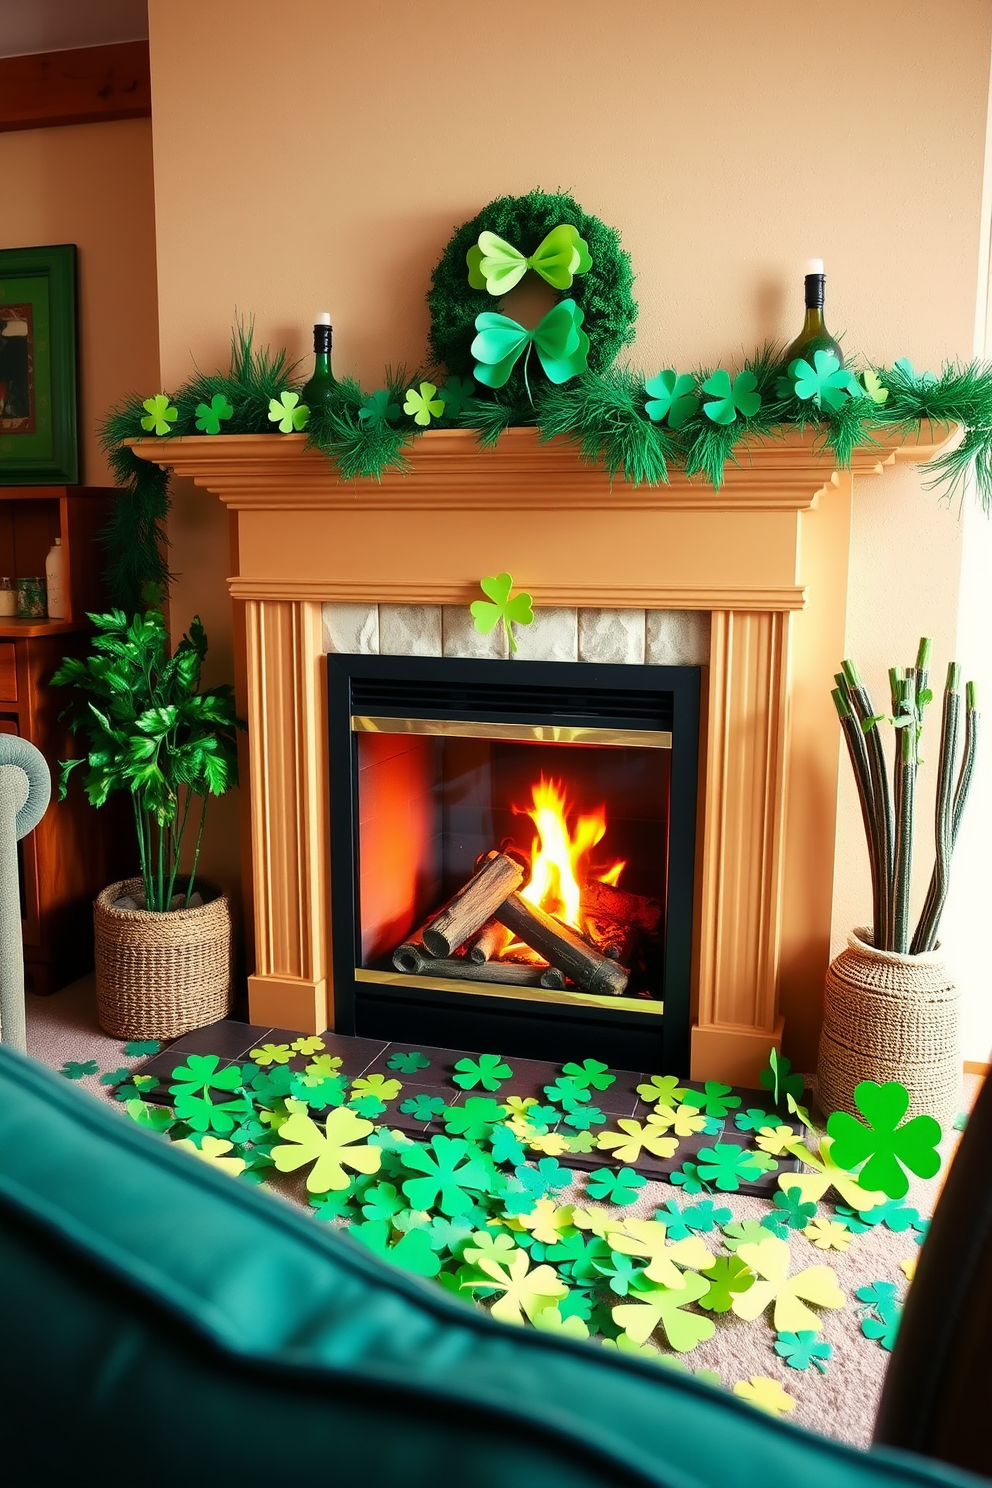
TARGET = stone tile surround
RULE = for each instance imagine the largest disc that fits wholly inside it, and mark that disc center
(624, 637)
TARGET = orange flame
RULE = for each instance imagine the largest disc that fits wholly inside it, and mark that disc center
(559, 856)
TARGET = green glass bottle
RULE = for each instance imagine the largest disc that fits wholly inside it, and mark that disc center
(814, 335)
(318, 391)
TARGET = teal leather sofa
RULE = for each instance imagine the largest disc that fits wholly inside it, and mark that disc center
(163, 1325)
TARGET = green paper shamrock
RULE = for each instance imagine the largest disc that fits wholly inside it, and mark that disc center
(726, 1166)
(671, 395)
(424, 1107)
(894, 1215)
(775, 1077)
(452, 1173)
(776, 1223)
(458, 396)
(878, 1294)
(330, 1150)
(583, 1117)
(488, 1070)
(824, 382)
(567, 1093)
(115, 1077)
(486, 616)
(873, 386)
(203, 1115)
(652, 1306)
(200, 1072)
(703, 1217)
(423, 406)
(675, 1220)
(580, 1258)
(883, 1326)
(688, 1178)
(506, 1146)
(334, 1204)
(888, 1147)
(407, 1064)
(378, 409)
(578, 1304)
(136, 1047)
(368, 1105)
(905, 366)
(320, 1094)
(796, 1214)
(210, 416)
(309, 1044)
(497, 1245)
(561, 344)
(743, 1232)
(726, 400)
(75, 1069)
(662, 1090)
(728, 1277)
(852, 1220)
(616, 1188)
(381, 1201)
(413, 1251)
(136, 1087)
(270, 1054)
(590, 1074)
(495, 265)
(155, 1118)
(378, 1085)
(474, 1118)
(548, 1176)
(161, 414)
(622, 1271)
(714, 1099)
(288, 412)
(582, 1141)
(800, 1350)
(753, 1119)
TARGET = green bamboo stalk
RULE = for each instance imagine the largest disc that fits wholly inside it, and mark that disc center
(881, 798)
(971, 717)
(139, 827)
(855, 740)
(196, 854)
(944, 815)
(923, 669)
(895, 683)
(907, 757)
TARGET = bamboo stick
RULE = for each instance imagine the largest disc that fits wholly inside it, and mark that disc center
(881, 830)
(926, 931)
(859, 762)
(905, 791)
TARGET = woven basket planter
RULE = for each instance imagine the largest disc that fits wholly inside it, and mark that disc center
(890, 1017)
(159, 975)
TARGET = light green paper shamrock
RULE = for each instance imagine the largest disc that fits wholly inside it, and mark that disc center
(378, 409)
(652, 1306)
(288, 412)
(672, 395)
(330, 1149)
(824, 382)
(727, 399)
(458, 395)
(873, 386)
(486, 616)
(423, 405)
(905, 366)
(160, 414)
(495, 265)
(210, 416)
(889, 1147)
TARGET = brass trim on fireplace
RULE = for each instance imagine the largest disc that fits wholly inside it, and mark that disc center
(412, 982)
(544, 733)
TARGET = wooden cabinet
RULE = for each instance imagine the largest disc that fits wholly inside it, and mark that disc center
(75, 851)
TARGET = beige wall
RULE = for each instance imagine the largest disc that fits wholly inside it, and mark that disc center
(91, 184)
(322, 163)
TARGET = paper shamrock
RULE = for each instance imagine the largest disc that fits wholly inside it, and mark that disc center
(788, 1295)
(160, 414)
(727, 400)
(714, 1099)
(322, 1067)
(671, 395)
(581, 1118)
(407, 1064)
(548, 1221)
(905, 366)
(115, 1077)
(633, 1138)
(666, 1258)
(894, 1216)
(200, 1072)
(75, 1069)
(452, 1174)
(873, 386)
(590, 1074)
(743, 1232)
(665, 1091)
(616, 1188)
(308, 1044)
(652, 1306)
(505, 1145)
(561, 344)
(687, 1178)
(494, 1245)
(684, 1122)
(330, 1150)
(457, 395)
(368, 1105)
(551, 1143)
(216, 1152)
(726, 1166)
(728, 1277)
(890, 1148)
(525, 1293)
(824, 381)
(271, 1054)
(881, 1321)
(621, 1270)
(488, 1070)
(378, 409)
(581, 1141)
(828, 1234)
(550, 1320)
(753, 1119)
(412, 1251)
(495, 265)
(422, 405)
(378, 1085)
(777, 1079)
(704, 1217)
(474, 1119)
(486, 616)
(288, 412)
(567, 1093)
(800, 1350)
(795, 1212)
(775, 1140)
(210, 416)
(827, 1174)
(156, 1118)
(136, 1047)
(580, 1258)
(203, 1114)
(767, 1394)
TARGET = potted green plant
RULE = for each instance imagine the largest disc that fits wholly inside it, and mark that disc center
(163, 940)
(890, 1008)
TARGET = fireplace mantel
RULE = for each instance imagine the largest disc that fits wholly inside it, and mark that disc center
(767, 556)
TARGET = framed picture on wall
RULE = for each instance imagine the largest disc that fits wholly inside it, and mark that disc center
(38, 440)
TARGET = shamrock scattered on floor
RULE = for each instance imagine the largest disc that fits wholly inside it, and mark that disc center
(75, 1069)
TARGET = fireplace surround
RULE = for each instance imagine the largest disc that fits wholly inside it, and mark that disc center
(765, 558)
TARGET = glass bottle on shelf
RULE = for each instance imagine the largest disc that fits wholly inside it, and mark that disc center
(814, 335)
(318, 391)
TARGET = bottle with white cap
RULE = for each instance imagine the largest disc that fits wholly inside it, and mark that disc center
(55, 580)
(814, 335)
(318, 391)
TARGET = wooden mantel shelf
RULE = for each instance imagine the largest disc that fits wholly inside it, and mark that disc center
(766, 557)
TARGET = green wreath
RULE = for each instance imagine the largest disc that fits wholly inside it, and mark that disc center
(602, 291)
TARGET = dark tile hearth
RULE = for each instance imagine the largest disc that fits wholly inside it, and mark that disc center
(233, 1041)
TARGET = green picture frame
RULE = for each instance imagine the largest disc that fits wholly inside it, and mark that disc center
(39, 443)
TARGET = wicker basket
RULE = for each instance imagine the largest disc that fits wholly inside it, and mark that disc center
(890, 1017)
(159, 975)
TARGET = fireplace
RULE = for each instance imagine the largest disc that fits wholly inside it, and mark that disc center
(513, 850)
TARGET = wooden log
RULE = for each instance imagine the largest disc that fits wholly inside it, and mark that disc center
(412, 955)
(473, 905)
(604, 901)
(563, 947)
(618, 942)
(509, 973)
(490, 941)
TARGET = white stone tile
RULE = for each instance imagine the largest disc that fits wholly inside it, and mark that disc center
(351, 629)
(553, 636)
(615, 636)
(677, 637)
(409, 630)
(459, 636)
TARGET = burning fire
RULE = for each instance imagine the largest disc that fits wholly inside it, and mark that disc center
(559, 856)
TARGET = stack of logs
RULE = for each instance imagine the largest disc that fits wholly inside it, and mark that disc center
(488, 912)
